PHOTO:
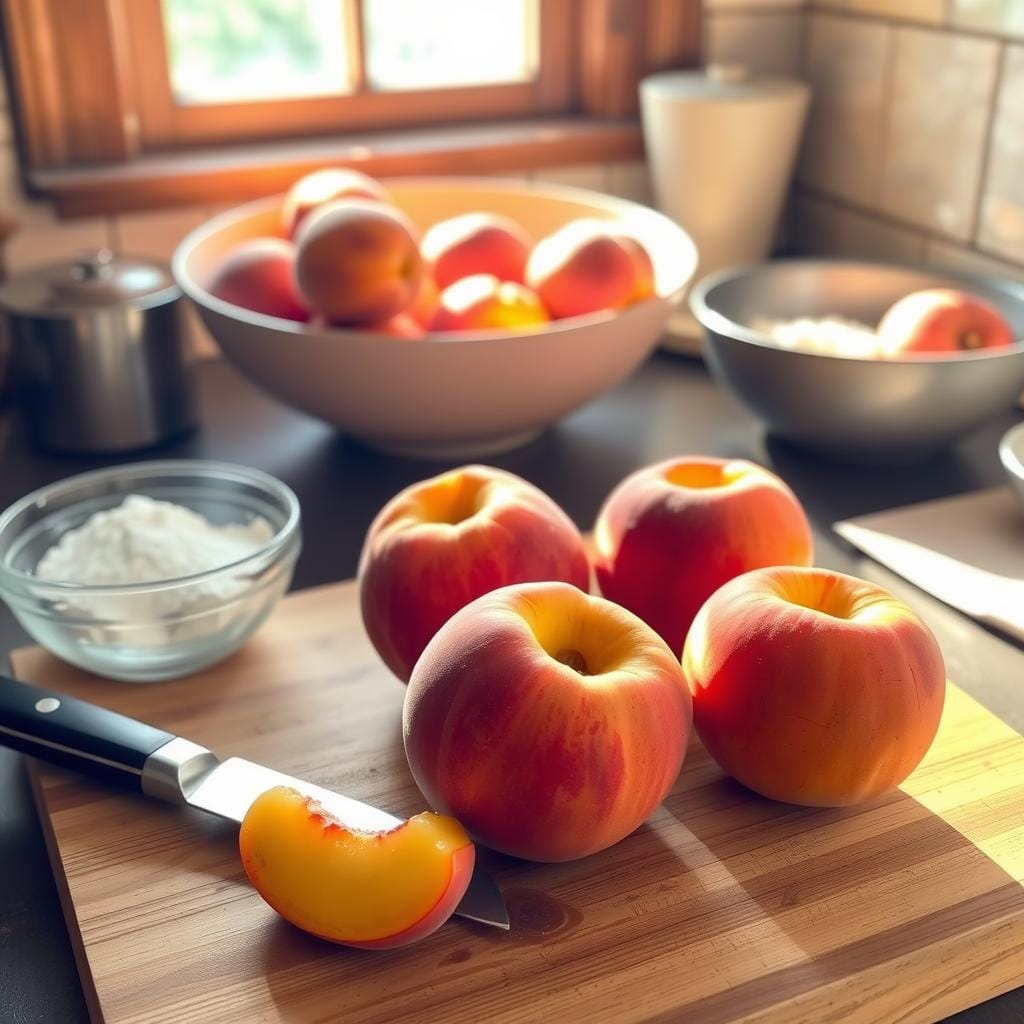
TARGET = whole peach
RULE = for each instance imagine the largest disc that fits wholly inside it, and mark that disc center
(942, 320)
(583, 268)
(424, 306)
(443, 542)
(357, 261)
(813, 687)
(671, 534)
(551, 723)
(321, 187)
(258, 274)
(476, 243)
(484, 303)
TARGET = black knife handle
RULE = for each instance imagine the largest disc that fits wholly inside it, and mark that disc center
(76, 734)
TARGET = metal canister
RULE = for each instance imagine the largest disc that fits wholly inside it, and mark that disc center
(99, 354)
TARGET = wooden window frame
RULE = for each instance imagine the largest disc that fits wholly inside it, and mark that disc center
(163, 123)
(96, 135)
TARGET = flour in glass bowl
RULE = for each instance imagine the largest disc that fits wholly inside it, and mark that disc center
(147, 541)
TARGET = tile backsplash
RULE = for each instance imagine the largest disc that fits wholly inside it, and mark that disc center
(914, 147)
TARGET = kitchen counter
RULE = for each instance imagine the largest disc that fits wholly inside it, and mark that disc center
(668, 407)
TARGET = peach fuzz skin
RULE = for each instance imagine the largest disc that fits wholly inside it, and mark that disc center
(813, 687)
(551, 722)
(942, 320)
(584, 268)
(671, 534)
(258, 274)
(484, 303)
(357, 262)
(319, 187)
(476, 243)
(443, 542)
(372, 890)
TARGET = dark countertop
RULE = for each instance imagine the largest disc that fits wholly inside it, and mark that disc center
(668, 407)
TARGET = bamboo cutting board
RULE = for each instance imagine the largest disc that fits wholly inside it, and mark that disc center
(724, 907)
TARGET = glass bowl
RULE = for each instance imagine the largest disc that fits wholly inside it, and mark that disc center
(144, 632)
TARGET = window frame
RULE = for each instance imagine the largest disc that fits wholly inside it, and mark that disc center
(164, 124)
(75, 90)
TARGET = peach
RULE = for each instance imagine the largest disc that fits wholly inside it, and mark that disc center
(400, 326)
(357, 261)
(942, 320)
(483, 303)
(476, 243)
(424, 306)
(670, 535)
(550, 722)
(642, 264)
(321, 187)
(582, 268)
(813, 687)
(258, 274)
(376, 890)
(445, 541)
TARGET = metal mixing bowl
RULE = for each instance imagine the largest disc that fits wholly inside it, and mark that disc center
(862, 410)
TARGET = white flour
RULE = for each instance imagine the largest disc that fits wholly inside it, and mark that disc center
(829, 335)
(145, 541)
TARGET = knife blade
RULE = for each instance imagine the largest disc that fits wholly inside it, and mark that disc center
(986, 596)
(95, 741)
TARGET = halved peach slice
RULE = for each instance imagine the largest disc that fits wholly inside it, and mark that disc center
(371, 889)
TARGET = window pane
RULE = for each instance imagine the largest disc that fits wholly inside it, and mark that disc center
(415, 44)
(231, 50)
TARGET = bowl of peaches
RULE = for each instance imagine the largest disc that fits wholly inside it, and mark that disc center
(865, 362)
(435, 316)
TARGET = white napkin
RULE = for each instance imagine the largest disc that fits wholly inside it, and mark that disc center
(968, 551)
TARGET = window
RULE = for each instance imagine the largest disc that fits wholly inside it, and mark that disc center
(245, 69)
(128, 104)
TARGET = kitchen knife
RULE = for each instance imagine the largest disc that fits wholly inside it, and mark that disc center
(986, 596)
(89, 739)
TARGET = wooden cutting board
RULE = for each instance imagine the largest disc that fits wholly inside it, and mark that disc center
(724, 907)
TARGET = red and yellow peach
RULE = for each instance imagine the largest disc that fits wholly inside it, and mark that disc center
(476, 243)
(551, 723)
(258, 274)
(357, 261)
(443, 542)
(813, 687)
(671, 534)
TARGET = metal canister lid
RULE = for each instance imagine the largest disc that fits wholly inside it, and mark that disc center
(94, 280)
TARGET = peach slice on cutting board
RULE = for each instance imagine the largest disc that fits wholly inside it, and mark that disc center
(376, 890)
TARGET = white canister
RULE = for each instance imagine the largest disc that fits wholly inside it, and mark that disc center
(721, 147)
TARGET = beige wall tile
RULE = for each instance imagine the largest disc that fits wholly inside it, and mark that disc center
(931, 12)
(592, 176)
(822, 228)
(1005, 17)
(768, 43)
(630, 179)
(935, 135)
(36, 244)
(845, 63)
(947, 254)
(1001, 226)
(156, 235)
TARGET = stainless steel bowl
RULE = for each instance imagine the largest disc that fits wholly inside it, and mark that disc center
(1011, 454)
(860, 410)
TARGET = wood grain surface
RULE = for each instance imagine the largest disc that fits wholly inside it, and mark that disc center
(724, 907)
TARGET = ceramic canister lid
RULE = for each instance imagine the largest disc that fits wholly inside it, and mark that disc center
(718, 83)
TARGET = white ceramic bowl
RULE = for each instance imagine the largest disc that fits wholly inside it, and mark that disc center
(471, 394)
